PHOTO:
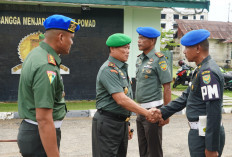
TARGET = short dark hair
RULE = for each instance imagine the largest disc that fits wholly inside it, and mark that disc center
(205, 45)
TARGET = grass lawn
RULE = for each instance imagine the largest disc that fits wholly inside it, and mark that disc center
(71, 105)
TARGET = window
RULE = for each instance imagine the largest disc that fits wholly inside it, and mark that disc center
(163, 25)
(163, 16)
(175, 25)
(194, 17)
(175, 16)
(185, 17)
(202, 17)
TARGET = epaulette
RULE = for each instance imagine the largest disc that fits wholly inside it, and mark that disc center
(111, 64)
(51, 59)
(159, 54)
(139, 54)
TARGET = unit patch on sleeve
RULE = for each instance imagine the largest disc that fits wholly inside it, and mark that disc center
(210, 87)
(51, 76)
(163, 65)
(51, 59)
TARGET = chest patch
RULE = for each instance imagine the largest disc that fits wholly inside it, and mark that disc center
(51, 76)
(51, 59)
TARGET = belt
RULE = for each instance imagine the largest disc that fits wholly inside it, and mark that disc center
(57, 123)
(152, 104)
(115, 116)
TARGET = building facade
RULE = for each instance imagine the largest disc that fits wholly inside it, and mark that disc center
(21, 23)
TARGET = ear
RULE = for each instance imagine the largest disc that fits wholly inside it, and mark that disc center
(60, 37)
(111, 49)
(154, 40)
(198, 48)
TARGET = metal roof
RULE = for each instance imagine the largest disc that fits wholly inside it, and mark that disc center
(218, 30)
(200, 4)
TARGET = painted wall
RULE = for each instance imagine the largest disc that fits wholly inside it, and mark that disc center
(139, 17)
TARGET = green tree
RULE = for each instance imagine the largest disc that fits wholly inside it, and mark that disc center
(167, 41)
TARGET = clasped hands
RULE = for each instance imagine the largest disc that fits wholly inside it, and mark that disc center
(154, 115)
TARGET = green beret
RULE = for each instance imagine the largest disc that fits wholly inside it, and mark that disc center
(117, 40)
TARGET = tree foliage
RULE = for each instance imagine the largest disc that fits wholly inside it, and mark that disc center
(167, 41)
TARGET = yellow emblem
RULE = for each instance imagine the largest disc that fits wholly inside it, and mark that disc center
(148, 71)
(72, 26)
(125, 90)
(206, 78)
(146, 76)
(27, 44)
(163, 65)
(51, 76)
(127, 119)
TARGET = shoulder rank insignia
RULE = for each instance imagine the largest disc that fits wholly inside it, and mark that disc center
(159, 54)
(114, 71)
(51, 76)
(111, 64)
(51, 59)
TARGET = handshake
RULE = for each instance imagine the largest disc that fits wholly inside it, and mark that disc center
(154, 115)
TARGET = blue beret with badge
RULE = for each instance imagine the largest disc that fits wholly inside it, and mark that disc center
(117, 40)
(194, 37)
(148, 32)
(61, 22)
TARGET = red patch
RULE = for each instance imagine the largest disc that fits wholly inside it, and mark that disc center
(111, 64)
(51, 59)
(114, 71)
(159, 54)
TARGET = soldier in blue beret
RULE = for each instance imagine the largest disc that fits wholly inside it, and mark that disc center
(152, 72)
(202, 99)
(41, 102)
(114, 102)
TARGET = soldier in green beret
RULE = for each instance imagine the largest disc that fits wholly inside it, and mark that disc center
(110, 125)
(41, 102)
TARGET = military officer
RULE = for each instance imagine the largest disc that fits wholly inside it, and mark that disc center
(41, 104)
(152, 72)
(114, 102)
(202, 99)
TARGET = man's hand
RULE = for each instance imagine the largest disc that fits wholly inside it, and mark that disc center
(211, 153)
(154, 115)
(163, 122)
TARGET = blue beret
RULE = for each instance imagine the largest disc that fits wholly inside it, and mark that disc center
(117, 40)
(194, 37)
(61, 22)
(148, 32)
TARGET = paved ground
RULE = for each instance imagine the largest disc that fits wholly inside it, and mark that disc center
(76, 137)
